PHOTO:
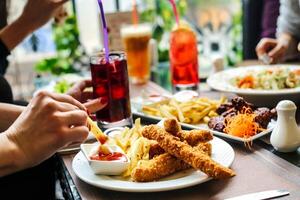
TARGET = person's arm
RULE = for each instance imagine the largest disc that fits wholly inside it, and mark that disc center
(35, 14)
(9, 113)
(288, 24)
(9, 155)
(50, 122)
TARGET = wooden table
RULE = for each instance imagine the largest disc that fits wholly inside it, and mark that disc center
(256, 170)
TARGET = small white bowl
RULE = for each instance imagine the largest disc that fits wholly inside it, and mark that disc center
(115, 167)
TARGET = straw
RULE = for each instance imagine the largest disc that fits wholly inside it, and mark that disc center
(135, 16)
(175, 11)
(105, 32)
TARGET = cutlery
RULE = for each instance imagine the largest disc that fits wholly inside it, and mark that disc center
(261, 195)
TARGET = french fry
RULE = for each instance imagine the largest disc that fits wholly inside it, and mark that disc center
(99, 135)
(194, 111)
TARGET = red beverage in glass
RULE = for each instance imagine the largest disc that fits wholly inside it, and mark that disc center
(184, 59)
(110, 82)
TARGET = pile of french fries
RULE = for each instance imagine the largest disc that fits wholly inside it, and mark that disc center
(194, 111)
(134, 145)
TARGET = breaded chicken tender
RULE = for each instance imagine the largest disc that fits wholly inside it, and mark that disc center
(160, 166)
(172, 126)
(163, 165)
(192, 137)
(185, 152)
(155, 150)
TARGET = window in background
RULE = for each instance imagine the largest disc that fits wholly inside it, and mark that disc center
(218, 24)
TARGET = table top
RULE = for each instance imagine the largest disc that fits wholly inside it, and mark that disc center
(257, 170)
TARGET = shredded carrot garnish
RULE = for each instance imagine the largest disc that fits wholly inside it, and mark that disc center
(246, 82)
(242, 125)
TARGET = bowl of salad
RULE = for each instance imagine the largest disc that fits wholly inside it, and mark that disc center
(260, 84)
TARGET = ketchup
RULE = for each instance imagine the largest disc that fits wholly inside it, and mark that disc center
(109, 157)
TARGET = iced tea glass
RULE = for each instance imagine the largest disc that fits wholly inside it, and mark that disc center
(135, 40)
(110, 82)
(184, 59)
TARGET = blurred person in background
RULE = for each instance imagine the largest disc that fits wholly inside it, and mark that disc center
(288, 34)
(36, 13)
(269, 18)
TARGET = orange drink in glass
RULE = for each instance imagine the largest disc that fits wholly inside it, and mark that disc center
(184, 59)
(136, 39)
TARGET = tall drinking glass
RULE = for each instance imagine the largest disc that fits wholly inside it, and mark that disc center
(136, 39)
(110, 82)
(184, 59)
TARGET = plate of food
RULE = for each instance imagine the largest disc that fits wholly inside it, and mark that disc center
(261, 85)
(153, 164)
(234, 120)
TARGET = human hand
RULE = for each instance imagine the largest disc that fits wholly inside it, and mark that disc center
(79, 93)
(48, 123)
(274, 49)
(36, 13)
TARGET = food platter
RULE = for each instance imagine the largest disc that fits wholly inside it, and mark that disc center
(222, 81)
(222, 153)
(204, 126)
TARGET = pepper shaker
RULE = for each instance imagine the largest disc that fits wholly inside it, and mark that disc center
(285, 136)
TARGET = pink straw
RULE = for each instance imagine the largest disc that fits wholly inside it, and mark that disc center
(135, 16)
(105, 32)
(175, 11)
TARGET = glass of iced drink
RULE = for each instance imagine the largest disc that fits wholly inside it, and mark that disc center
(184, 59)
(135, 40)
(110, 82)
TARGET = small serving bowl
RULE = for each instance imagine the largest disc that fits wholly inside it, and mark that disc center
(115, 167)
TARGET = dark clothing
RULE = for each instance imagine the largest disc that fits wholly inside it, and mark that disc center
(4, 53)
(269, 18)
(34, 183)
(6, 95)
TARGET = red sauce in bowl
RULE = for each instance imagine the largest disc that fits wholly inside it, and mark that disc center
(109, 157)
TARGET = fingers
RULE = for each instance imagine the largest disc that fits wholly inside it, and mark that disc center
(96, 104)
(61, 2)
(67, 99)
(65, 107)
(83, 84)
(86, 96)
(265, 45)
(277, 53)
(78, 134)
(73, 118)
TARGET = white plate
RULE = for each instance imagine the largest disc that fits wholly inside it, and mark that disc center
(216, 133)
(222, 153)
(221, 82)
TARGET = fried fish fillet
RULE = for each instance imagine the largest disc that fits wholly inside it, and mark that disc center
(192, 137)
(163, 165)
(185, 152)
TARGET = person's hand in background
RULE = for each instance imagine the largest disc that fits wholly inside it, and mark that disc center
(272, 50)
(48, 123)
(36, 13)
(79, 92)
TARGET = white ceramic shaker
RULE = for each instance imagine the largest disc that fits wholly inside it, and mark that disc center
(286, 135)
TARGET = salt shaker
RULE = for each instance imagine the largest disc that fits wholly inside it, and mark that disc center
(285, 136)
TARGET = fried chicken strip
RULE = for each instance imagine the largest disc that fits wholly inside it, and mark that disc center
(192, 137)
(163, 165)
(155, 150)
(183, 151)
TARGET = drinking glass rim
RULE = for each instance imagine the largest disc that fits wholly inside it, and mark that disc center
(101, 54)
